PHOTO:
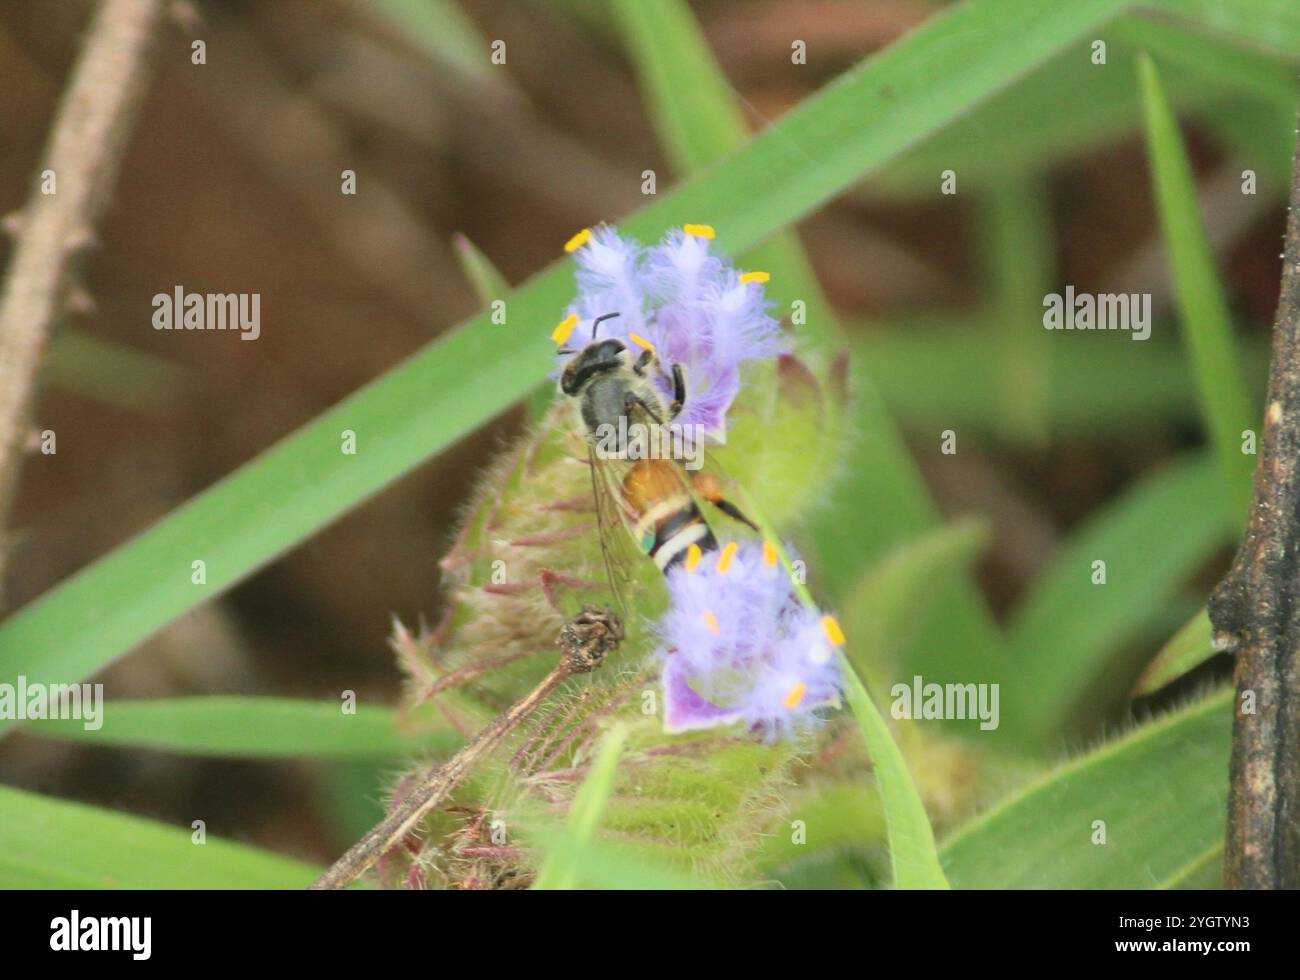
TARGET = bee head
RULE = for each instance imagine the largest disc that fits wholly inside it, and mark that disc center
(598, 357)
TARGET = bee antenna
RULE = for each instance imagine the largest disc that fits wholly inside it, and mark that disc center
(565, 350)
(595, 324)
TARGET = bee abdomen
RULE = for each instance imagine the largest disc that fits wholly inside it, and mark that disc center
(675, 535)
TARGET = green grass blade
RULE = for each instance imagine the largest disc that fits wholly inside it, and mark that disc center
(239, 727)
(1267, 25)
(1067, 631)
(1162, 791)
(912, 853)
(937, 373)
(557, 872)
(47, 843)
(1038, 122)
(1202, 307)
(1190, 647)
(455, 384)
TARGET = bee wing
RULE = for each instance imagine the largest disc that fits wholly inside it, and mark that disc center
(614, 526)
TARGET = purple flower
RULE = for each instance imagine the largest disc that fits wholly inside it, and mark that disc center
(691, 305)
(738, 646)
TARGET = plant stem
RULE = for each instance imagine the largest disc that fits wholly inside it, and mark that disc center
(84, 150)
(1255, 611)
(436, 786)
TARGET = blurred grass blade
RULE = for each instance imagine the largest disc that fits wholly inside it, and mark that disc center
(47, 843)
(912, 853)
(940, 372)
(452, 386)
(1161, 792)
(240, 727)
(1037, 123)
(1190, 647)
(1261, 76)
(1016, 222)
(443, 29)
(1067, 632)
(557, 871)
(1269, 25)
(114, 374)
(1202, 307)
(489, 284)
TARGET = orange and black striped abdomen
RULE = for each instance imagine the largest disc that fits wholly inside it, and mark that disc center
(667, 520)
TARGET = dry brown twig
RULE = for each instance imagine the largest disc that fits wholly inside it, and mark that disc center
(85, 147)
(586, 641)
(1256, 615)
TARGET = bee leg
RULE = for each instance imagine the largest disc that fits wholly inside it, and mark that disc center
(632, 401)
(710, 488)
(679, 392)
(644, 361)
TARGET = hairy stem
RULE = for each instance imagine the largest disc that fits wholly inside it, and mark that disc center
(436, 786)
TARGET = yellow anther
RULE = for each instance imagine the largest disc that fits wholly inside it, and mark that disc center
(564, 329)
(756, 277)
(831, 627)
(640, 341)
(711, 621)
(727, 557)
(699, 231)
(578, 240)
(769, 554)
(693, 557)
(796, 695)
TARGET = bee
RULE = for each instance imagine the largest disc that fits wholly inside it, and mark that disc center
(649, 501)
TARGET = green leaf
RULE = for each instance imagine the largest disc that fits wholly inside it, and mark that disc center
(239, 727)
(447, 389)
(1190, 647)
(558, 871)
(1067, 631)
(1161, 791)
(1203, 309)
(882, 610)
(47, 843)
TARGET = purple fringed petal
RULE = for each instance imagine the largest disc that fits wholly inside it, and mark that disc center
(739, 646)
(686, 301)
(685, 710)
